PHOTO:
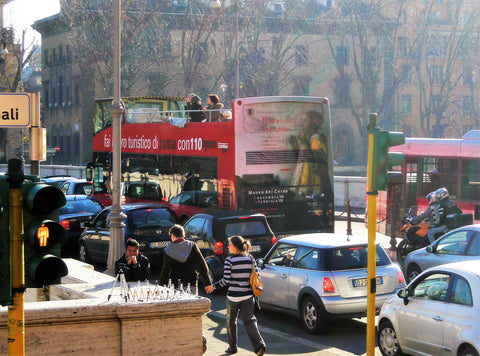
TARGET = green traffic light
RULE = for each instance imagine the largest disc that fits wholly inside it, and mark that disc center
(383, 160)
(43, 234)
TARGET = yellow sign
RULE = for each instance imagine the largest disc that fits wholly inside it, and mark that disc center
(15, 110)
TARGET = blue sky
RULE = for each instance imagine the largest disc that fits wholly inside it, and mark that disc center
(21, 14)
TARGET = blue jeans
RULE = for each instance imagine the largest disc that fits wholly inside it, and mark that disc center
(434, 230)
(244, 310)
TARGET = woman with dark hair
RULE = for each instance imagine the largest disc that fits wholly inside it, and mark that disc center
(213, 108)
(236, 276)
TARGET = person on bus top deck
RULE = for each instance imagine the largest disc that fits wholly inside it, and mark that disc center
(193, 105)
(439, 206)
(214, 104)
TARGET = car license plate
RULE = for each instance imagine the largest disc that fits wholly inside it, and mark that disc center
(256, 248)
(362, 282)
(159, 244)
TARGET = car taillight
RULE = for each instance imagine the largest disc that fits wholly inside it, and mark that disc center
(218, 248)
(400, 278)
(274, 239)
(328, 285)
(65, 224)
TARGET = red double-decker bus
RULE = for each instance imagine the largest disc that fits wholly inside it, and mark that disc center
(271, 155)
(430, 164)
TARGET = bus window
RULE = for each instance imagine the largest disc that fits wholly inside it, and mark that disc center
(470, 179)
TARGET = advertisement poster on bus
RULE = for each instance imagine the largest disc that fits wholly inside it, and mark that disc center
(284, 162)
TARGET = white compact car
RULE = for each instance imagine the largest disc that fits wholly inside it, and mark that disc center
(437, 314)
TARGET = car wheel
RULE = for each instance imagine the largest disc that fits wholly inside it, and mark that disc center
(402, 252)
(311, 315)
(83, 254)
(412, 272)
(469, 350)
(388, 340)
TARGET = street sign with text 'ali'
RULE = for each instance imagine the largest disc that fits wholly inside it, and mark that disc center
(15, 110)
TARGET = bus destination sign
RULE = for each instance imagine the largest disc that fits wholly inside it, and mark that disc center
(15, 110)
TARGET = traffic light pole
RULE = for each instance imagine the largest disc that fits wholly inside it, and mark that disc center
(371, 220)
(16, 315)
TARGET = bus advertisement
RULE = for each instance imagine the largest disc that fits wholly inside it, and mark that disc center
(430, 164)
(271, 155)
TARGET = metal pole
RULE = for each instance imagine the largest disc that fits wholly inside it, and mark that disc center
(34, 134)
(371, 258)
(237, 63)
(16, 314)
(116, 245)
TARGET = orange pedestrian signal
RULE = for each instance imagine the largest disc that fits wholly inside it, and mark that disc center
(43, 233)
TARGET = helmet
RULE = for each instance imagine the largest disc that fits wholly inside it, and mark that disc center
(441, 193)
(431, 198)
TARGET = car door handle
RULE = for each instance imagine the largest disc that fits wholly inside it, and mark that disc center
(283, 275)
(437, 318)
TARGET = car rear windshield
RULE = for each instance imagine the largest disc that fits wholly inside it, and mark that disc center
(80, 206)
(353, 257)
(142, 218)
(246, 228)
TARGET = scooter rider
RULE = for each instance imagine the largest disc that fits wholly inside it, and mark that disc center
(439, 206)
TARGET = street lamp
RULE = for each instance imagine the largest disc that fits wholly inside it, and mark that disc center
(216, 4)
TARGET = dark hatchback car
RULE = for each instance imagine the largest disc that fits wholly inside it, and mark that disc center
(210, 231)
(148, 223)
(79, 210)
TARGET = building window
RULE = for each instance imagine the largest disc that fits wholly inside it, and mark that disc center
(77, 95)
(342, 92)
(406, 104)
(45, 56)
(402, 16)
(467, 105)
(342, 55)
(433, 18)
(406, 74)
(436, 75)
(435, 102)
(46, 98)
(467, 76)
(301, 55)
(437, 47)
(60, 91)
(402, 46)
(301, 87)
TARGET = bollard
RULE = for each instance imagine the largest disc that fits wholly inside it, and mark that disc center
(349, 219)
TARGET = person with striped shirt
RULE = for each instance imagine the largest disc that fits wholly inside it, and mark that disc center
(240, 303)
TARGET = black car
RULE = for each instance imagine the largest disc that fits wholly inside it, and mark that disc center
(78, 210)
(211, 231)
(148, 223)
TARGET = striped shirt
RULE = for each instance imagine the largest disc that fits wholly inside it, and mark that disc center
(236, 275)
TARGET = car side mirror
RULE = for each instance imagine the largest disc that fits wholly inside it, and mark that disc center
(429, 249)
(404, 294)
(261, 263)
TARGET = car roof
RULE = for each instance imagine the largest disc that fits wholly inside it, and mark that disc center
(325, 240)
(133, 206)
(77, 197)
(225, 214)
(471, 266)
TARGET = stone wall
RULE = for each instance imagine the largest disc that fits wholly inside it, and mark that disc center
(92, 325)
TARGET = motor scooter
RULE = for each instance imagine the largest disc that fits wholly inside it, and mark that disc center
(415, 235)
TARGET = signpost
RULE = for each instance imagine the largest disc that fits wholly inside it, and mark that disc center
(15, 110)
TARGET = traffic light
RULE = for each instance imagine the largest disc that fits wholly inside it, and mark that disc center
(382, 160)
(5, 290)
(43, 235)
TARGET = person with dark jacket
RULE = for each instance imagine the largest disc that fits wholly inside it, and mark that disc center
(194, 108)
(439, 206)
(183, 261)
(135, 266)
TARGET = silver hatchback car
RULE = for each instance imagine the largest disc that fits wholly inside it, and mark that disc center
(324, 276)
